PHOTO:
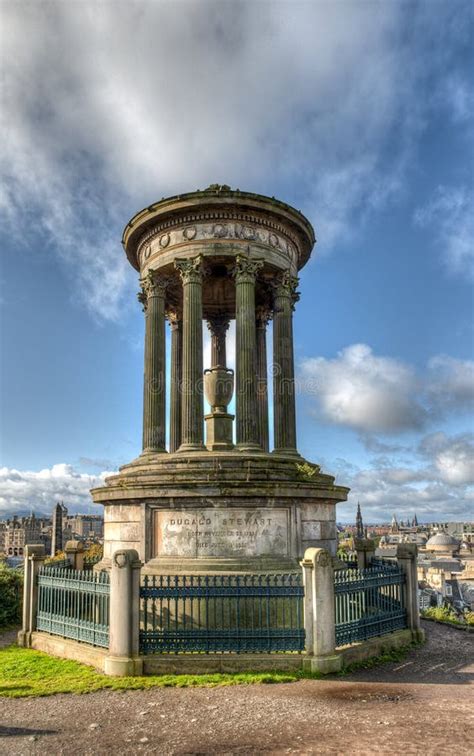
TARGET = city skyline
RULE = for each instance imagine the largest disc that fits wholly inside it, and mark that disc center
(373, 144)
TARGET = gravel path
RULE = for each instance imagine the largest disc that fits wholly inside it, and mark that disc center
(424, 704)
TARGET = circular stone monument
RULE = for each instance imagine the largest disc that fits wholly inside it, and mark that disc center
(195, 502)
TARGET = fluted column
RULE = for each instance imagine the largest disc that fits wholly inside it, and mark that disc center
(218, 326)
(246, 354)
(192, 405)
(283, 364)
(154, 384)
(263, 316)
(176, 323)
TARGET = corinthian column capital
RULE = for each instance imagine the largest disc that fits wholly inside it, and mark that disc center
(285, 285)
(218, 325)
(263, 315)
(153, 285)
(245, 269)
(190, 269)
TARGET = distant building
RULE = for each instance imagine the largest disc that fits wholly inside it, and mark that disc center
(18, 532)
(57, 533)
(85, 527)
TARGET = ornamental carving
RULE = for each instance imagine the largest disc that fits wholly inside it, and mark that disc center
(223, 224)
(174, 317)
(220, 230)
(246, 232)
(218, 325)
(263, 315)
(153, 285)
(190, 269)
(121, 559)
(189, 233)
(323, 558)
(246, 269)
(273, 239)
(285, 286)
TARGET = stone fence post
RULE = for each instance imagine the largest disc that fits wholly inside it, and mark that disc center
(123, 658)
(75, 554)
(319, 612)
(407, 560)
(34, 559)
(365, 549)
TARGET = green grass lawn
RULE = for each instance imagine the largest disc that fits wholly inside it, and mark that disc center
(24, 672)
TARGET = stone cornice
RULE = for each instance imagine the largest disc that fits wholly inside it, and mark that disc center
(253, 217)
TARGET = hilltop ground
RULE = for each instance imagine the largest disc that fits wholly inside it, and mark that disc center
(423, 704)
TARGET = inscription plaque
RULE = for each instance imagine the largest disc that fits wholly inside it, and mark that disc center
(232, 532)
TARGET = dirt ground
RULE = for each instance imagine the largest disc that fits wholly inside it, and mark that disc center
(422, 705)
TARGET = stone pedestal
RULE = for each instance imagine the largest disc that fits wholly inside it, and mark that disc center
(219, 431)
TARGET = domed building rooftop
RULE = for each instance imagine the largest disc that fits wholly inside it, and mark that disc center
(442, 542)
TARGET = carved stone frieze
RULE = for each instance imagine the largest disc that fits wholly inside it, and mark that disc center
(203, 227)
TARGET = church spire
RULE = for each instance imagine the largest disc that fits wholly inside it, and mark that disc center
(359, 523)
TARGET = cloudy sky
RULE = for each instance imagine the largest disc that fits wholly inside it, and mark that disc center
(358, 113)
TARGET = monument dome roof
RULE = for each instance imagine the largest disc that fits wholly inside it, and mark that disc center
(222, 206)
(441, 539)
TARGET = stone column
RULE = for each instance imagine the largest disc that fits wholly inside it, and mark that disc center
(192, 402)
(284, 414)
(34, 560)
(365, 549)
(407, 559)
(245, 273)
(319, 612)
(263, 316)
(154, 384)
(176, 324)
(123, 658)
(75, 554)
(218, 326)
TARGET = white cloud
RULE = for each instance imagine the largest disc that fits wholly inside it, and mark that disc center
(25, 489)
(450, 216)
(437, 485)
(365, 392)
(378, 394)
(108, 106)
(452, 457)
(450, 383)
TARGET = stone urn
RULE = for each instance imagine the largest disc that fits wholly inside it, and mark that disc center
(219, 387)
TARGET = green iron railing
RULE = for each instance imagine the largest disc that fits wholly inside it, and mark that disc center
(54, 564)
(74, 604)
(222, 613)
(369, 602)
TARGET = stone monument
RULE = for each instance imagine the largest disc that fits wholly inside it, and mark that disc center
(202, 503)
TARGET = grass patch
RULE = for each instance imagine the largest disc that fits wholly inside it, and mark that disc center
(394, 655)
(25, 672)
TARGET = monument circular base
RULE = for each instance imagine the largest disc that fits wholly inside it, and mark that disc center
(219, 511)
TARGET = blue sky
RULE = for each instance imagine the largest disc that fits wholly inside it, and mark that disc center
(358, 113)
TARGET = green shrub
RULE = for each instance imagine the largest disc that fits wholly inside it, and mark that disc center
(442, 614)
(469, 617)
(11, 582)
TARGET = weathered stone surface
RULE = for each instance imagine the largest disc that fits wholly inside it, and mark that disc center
(122, 531)
(122, 513)
(222, 532)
